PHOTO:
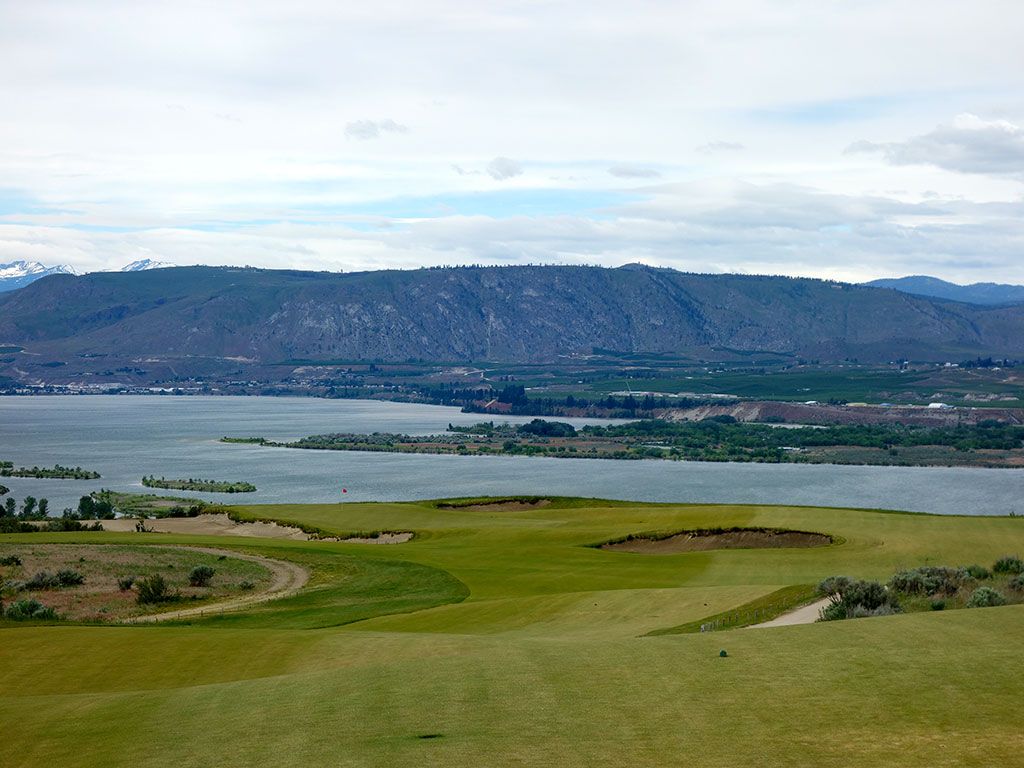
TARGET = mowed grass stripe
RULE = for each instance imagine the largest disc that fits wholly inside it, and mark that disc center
(864, 693)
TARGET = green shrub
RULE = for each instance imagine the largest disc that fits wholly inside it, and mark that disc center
(985, 597)
(860, 612)
(200, 576)
(857, 599)
(938, 605)
(67, 577)
(929, 580)
(43, 580)
(11, 525)
(153, 589)
(247, 585)
(833, 585)
(23, 610)
(1017, 583)
(66, 524)
(834, 611)
(978, 572)
(125, 583)
(868, 594)
(1009, 564)
(10, 560)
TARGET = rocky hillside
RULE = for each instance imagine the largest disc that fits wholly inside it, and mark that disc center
(502, 313)
(975, 293)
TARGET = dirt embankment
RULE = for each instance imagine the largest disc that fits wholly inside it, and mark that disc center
(702, 541)
(824, 414)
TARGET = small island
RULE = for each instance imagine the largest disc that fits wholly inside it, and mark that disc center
(56, 472)
(198, 484)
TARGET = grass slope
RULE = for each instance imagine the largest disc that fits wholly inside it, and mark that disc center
(513, 643)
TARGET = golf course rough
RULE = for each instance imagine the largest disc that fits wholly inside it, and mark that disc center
(511, 640)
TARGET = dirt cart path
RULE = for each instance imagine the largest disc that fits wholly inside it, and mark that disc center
(807, 614)
(287, 579)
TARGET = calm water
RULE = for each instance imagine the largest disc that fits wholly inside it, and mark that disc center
(124, 438)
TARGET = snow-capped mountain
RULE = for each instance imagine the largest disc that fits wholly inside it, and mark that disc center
(141, 264)
(17, 274)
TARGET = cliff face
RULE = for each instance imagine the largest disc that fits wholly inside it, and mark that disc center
(502, 313)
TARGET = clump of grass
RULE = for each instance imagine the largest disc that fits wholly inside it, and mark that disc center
(247, 585)
(10, 560)
(125, 583)
(1016, 583)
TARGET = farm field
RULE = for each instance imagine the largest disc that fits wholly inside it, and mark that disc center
(500, 636)
(767, 380)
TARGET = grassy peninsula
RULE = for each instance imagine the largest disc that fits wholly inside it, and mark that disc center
(56, 472)
(722, 438)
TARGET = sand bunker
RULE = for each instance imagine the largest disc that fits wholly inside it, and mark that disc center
(732, 538)
(209, 525)
(382, 538)
(498, 505)
(222, 525)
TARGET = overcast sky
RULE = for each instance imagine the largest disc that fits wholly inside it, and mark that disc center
(848, 139)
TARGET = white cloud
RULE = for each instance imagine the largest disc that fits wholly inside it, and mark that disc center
(720, 146)
(372, 129)
(969, 145)
(704, 227)
(633, 172)
(228, 132)
(502, 168)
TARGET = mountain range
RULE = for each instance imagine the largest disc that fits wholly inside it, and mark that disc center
(18, 274)
(521, 313)
(975, 293)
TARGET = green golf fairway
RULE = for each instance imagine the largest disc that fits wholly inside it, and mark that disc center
(500, 637)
